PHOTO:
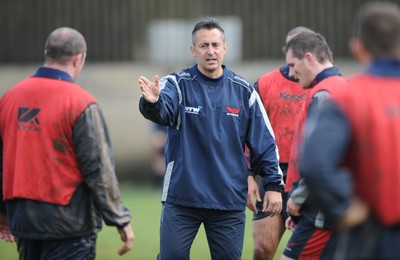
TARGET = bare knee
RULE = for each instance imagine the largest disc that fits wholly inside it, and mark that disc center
(267, 233)
(263, 251)
(283, 257)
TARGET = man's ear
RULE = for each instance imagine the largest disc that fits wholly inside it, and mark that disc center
(192, 50)
(77, 60)
(358, 51)
(309, 58)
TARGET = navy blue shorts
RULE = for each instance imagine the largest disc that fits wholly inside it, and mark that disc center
(75, 248)
(307, 241)
(179, 226)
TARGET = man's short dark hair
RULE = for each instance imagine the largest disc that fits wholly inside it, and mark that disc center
(377, 25)
(209, 24)
(311, 42)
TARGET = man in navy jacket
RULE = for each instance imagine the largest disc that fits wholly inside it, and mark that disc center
(211, 113)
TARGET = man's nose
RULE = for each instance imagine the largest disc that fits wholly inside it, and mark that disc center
(210, 49)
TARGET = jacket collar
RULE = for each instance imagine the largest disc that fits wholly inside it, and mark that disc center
(46, 72)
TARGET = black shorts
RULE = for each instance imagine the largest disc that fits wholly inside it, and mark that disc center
(259, 204)
(73, 248)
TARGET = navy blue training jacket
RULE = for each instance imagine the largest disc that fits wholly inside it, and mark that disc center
(209, 122)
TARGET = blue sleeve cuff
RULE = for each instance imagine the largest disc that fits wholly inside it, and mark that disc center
(272, 187)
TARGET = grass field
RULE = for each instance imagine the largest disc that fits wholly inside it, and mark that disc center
(145, 206)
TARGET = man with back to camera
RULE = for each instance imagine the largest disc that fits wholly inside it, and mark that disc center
(310, 61)
(350, 160)
(57, 180)
(211, 114)
(283, 99)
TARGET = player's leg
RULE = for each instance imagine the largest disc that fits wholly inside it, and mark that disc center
(178, 228)
(267, 231)
(225, 233)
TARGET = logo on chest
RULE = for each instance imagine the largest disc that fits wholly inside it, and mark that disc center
(286, 95)
(232, 111)
(193, 110)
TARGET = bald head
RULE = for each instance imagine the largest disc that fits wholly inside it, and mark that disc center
(62, 44)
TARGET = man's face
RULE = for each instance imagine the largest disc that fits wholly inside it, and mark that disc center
(299, 69)
(209, 51)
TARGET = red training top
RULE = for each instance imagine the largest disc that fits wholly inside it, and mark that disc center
(283, 99)
(37, 117)
(374, 152)
(328, 84)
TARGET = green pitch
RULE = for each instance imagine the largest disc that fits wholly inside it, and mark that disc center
(145, 207)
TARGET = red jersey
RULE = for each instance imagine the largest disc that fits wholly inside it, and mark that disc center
(372, 106)
(328, 83)
(37, 117)
(283, 99)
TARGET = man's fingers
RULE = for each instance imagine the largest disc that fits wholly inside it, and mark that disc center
(10, 238)
(273, 202)
(252, 206)
(273, 208)
(126, 248)
(250, 203)
(144, 82)
(157, 80)
(252, 192)
(127, 236)
(289, 224)
(6, 235)
(258, 196)
(292, 208)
